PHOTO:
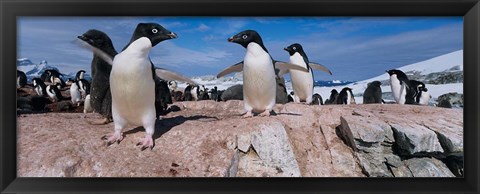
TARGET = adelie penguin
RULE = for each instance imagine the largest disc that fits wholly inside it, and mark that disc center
(84, 87)
(132, 83)
(21, 79)
(317, 99)
(333, 97)
(421, 96)
(39, 87)
(54, 93)
(302, 82)
(345, 96)
(373, 93)
(100, 95)
(402, 91)
(259, 84)
(55, 78)
(47, 74)
(75, 93)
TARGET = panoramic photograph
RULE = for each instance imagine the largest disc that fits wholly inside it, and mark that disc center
(240, 97)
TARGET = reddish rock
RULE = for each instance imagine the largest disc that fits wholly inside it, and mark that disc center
(211, 139)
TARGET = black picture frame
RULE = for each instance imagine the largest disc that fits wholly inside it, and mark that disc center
(10, 10)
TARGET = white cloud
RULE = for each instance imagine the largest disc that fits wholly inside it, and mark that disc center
(202, 28)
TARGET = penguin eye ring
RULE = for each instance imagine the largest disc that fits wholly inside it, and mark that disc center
(244, 36)
(294, 48)
(154, 31)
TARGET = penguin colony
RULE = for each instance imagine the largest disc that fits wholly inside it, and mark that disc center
(127, 88)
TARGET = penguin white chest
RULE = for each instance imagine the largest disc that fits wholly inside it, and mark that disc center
(398, 90)
(132, 85)
(424, 98)
(74, 93)
(302, 82)
(259, 85)
(50, 93)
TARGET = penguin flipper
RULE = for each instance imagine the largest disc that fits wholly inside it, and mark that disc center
(234, 68)
(285, 67)
(103, 55)
(283, 72)
(320, 67)
(170, 75)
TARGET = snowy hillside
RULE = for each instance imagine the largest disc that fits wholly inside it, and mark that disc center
(450, 62)
(33, 70)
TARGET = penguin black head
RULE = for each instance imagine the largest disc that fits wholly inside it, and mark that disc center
(334, 91)
(375, 83)
(394, 72)
(37, 81)
(246, 37)
(154, 32)
(96, 38)
(292, 49)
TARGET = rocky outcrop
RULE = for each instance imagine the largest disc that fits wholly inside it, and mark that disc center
(211, 139)
(449, 100)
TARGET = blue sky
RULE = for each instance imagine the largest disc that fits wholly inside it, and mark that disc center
(353, 48)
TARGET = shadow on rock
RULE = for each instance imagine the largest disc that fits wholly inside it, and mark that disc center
(164, 125)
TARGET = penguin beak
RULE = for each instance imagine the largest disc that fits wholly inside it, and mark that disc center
(172, 35)
(285, 48)
(230, 39)
(82, 38)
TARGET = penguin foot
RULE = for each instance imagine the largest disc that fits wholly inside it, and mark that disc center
(265, 113)
(147, 142)
(248, 114)
(100, 122)
(115, 137)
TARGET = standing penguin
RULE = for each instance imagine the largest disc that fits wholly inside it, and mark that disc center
(402, 91)
(373, 93)
(317, 99)
(187, 93)
(346, 96)
(75, 93)
(333, 97)
(39, 86)
(302, 82)
(259, 84)
(87, 106)
(100, 96)
(195, 91)
(132, 84)
(21, 79)
(421, 96)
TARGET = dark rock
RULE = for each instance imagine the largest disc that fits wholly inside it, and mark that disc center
(428, 167)
(449, 100)
(233, 93)
(39, 103)
(64, 106)
(455, 163)
(415, 139)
